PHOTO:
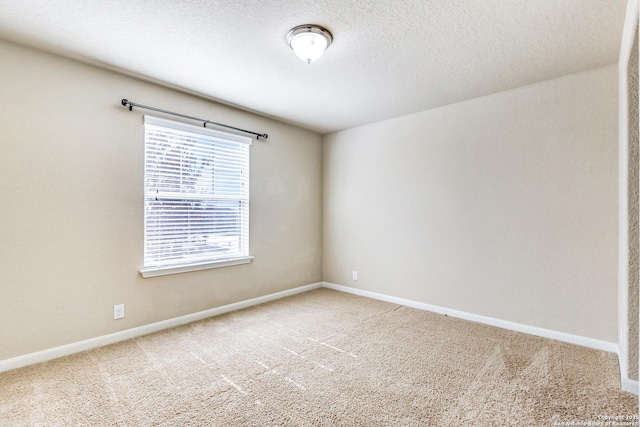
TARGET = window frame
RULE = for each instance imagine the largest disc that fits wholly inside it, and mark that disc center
(214, 262)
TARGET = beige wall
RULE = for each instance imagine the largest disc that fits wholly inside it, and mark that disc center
(633, 186)
(503, 206)
(71, 171)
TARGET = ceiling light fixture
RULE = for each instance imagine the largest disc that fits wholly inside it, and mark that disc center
(309, 41)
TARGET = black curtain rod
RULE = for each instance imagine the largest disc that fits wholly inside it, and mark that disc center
(130, 104)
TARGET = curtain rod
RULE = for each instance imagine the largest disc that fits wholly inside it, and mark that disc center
(130, 104)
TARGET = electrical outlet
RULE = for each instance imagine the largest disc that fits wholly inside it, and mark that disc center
(354, 275)
(118, 311)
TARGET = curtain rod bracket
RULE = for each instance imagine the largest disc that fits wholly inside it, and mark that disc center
(130, 104)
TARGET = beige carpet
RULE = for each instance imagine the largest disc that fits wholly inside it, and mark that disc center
(322, 358)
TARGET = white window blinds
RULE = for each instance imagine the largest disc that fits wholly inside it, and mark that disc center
(196, 194)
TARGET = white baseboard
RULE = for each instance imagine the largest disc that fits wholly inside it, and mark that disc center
(518, 327)
(65, 350)
(627, 384)
(630, 385)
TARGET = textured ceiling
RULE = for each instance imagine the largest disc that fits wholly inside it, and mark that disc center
(389, 57)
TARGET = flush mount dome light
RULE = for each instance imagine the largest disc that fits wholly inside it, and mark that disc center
(309, 41)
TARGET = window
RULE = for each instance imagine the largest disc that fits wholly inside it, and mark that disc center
(196, 198)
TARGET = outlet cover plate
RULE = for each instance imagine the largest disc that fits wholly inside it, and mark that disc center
(118, 311)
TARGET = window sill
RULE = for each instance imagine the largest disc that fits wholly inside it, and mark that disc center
(163, 271)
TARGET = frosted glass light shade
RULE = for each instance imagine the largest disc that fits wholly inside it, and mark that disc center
(309, 41)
